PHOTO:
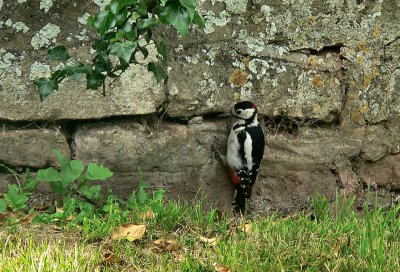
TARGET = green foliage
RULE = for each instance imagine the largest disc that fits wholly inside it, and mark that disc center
(58, 53)
(140, 200)
(124, 28)
(14, 198)
(17, 195)
(71, 178)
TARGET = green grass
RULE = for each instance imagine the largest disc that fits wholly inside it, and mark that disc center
(332, 239)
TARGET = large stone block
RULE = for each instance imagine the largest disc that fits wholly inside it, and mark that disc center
(32, 147)
(384, 173)
(280, 83)
(311, 149)
(178, 158)
(22, 60)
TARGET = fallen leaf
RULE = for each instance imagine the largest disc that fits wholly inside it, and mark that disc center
(211, 241)
(221, 267)
(146, 215)
(130, 232)
(110, 258)
(3, 217)
(246, 228)
(29, 218)
(169, 245)
(337, 247)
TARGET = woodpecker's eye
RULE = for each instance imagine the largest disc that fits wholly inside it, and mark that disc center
(239, 111)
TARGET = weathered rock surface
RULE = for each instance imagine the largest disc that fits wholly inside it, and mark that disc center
(384, 173)
(31, 148)
(176, 157)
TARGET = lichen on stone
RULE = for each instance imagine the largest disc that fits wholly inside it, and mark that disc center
(18, 26)
(6, 59)
(236, 6)
(46, 36)
(83, 19)
(102, 3)
(46, 5)
(211, 20)
(38, 70)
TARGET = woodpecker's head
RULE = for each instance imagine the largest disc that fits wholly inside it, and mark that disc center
(245, 110)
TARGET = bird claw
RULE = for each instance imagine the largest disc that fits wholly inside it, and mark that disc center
(218, 153)
(220, 156)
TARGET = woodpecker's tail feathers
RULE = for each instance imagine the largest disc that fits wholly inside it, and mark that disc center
(242, 195)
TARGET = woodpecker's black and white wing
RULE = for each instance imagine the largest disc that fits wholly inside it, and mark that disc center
(251, 142)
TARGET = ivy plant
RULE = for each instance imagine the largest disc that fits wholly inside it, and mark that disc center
(124, 28)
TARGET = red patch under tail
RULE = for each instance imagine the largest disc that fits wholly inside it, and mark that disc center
(234, 177)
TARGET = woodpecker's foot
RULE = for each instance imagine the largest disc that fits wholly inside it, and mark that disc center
(219, 155)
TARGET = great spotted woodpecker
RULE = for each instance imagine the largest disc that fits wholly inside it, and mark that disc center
(245, 150)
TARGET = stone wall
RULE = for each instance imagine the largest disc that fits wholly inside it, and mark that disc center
(324, 74)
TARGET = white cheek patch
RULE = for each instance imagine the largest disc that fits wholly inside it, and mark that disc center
(247, 113)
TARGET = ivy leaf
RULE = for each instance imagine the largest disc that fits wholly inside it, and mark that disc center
(46, 86)
(177, 16)
(198, 20)
(94, 80)
(103, 63)
(144, 51)
(122, 17)
(100, 45)
(73, 71)
(190, 6)
(104, 21)
(162, 50)
(124, 3)
(148, 23)
(97, 172)
(58, 53)
(118, 37)
(123, 50)
(157, 70)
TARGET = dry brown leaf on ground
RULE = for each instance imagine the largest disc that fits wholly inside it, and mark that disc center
(169, 245)
(110, 258)
(130, 232)
(246, 228)
(221, 267)
(147, 215)
(337, 247)
(210, 241)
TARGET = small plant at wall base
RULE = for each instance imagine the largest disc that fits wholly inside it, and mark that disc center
(125, 27)
(75, 199)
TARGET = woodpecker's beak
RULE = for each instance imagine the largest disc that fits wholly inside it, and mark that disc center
(226, 114)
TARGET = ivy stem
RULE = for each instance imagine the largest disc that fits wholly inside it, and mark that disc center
(112, 82)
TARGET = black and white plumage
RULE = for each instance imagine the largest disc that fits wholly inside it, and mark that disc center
(245, 150)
